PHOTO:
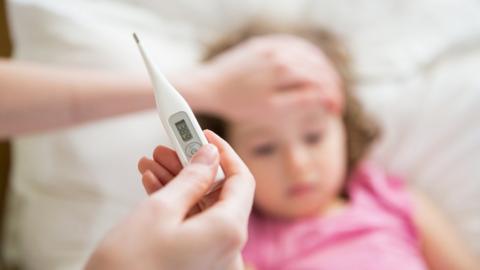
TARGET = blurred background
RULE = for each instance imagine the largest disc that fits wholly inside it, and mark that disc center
(416, 67)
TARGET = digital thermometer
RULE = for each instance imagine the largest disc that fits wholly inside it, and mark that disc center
(177, 118)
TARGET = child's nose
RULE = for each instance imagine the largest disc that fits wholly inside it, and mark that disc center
(297, 163)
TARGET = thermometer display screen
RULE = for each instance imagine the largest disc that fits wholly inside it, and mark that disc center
(183, 130)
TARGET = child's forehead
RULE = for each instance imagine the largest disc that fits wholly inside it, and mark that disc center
(279, 122)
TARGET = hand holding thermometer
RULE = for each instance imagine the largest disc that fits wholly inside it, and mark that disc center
(177, 118)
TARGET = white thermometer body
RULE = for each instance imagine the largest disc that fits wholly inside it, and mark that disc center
(177, 117)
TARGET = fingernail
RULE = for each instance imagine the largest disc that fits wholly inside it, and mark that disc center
(206, 155)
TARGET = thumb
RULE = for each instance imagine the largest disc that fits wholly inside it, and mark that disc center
(188, 187)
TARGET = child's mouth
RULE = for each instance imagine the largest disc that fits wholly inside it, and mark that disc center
(299, 190)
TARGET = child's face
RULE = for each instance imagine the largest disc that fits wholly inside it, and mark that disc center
(298, 160)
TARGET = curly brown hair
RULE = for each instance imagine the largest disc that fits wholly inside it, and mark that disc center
(361, 130)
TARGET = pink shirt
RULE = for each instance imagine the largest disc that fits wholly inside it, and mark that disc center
(375, 231)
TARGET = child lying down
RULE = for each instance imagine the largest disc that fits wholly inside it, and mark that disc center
(318, 203)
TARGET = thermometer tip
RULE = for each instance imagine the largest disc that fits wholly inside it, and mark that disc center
(136, 37)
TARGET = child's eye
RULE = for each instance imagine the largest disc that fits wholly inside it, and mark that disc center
(313, 138)
(264, 149)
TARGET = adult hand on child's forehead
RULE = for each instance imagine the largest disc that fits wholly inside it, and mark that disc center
(268, 74)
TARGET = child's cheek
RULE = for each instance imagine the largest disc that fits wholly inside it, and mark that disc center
(269, 186)
(331, 158)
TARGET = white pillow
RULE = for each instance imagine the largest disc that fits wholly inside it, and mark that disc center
(416, 64)
(432, 137)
